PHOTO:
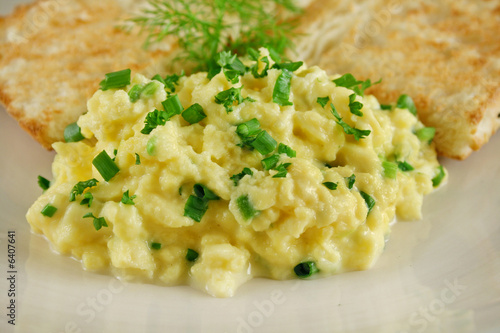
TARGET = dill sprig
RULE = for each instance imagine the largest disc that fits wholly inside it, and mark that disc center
(206, 27)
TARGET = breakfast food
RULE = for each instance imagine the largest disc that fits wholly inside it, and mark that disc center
(53, 54)
(444, 54)
(259, 168)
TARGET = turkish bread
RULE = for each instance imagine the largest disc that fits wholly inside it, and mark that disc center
(445, 54)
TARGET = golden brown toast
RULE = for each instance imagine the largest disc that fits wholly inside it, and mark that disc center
(53, 54)
(445, 54)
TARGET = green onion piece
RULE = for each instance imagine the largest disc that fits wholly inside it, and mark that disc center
(330, 185)
(149, 90)
(305, 269)
(80, 187)
(204, 192)
(386, 107)
(44, 183)
(350, 181)
(127, 199)
(137, 159)
(439, 177)
(264, 143)
(172, 106)
(390, 169)
(357, 133)
(116, 80)
(195, 208)
(191, 255)
(155, 246)
(406, 102)
(135, 93)
(246, 207)
(105, 165)
(281, 91)
(98, 222)
(405, 166)
(248, 128)
(426, 134)
(88, 198)
(151, 146)
(284, 149)
(370, 202)
(354, 106)
(194, 114)
(282, 170)
(270, 162)
(323, 101)
(49, 210)
(73, 133)
(237, 177)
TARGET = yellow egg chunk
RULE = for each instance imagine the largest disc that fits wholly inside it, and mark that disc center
(280, 173)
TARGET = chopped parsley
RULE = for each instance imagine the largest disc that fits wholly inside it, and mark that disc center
(81, 186)
(354, 106)
(370, 202)
(349, 81)
(405, 166)
(350, 181)
(127, 199)
(281, 91)
(357, 133)
(231, 97)
(237, 177)
(88, 198)
(98, 222)
(330, 185)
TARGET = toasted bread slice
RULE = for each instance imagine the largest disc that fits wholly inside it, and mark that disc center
(53, 54)
(445, 54)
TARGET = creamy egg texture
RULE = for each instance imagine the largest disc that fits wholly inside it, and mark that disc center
(275, 172)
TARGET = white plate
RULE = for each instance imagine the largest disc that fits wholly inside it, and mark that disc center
(441, 274)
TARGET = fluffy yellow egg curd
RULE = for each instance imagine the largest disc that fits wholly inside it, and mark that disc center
(262, 170)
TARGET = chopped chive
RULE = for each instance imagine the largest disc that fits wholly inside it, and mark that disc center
(281, 91)
(386, 107)
(98, 222)
(137, 159)
(330, 185)
(426, 134)
(282, 170)
(44, 183)
(149, 90)
(155, 246)
(204, 192)
(264, 143)
(151, 145)
(73, 133)
(350, 181)
(172, 106)
(195, 208)
(194, 114)
(246, 207)
(248, 128)
(127, 199)
(439, 177)
(88, 198)
(116, 80)
(270, 162)
(135, 93)
(284, 149)
(81, 186)
(305, 269)
(237, 177)
(323, 101)
(405, 166)
(49, 210)
(370, 202)
(406, 102)
(357, 133)
(390, 169)
(191, 255)
(105, 165)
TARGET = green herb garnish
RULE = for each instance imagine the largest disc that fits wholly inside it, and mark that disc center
(127, 199)
(194, 114)
(323, 101)
(406, 102)
(439, 177)
(354, 106)
(137, 159)
(155, 246)
(81, 186)
(357, 133)
(350, 82)
(191, 255)
(237, 177)
(370, 202)
(105, 165)
(330, 185)
(44, 183)
(281, 91)
(195, 208)
(350, 181)
(390, 169)
(116, 80)
(49, 210)
(282, 170)
(426, 134)
(73, 133)
(405, 166)
(270, 162)
(246, 208)
(204, 192)
(230, 97)
(284, 149)
(305, 269)
(88, 198)
(98, 222)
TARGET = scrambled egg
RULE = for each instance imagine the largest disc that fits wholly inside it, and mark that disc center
(325, 201)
